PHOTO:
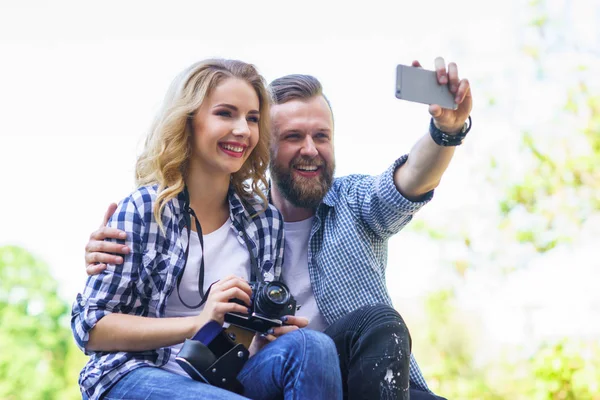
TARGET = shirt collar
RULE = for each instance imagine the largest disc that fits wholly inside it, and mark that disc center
(237, 206)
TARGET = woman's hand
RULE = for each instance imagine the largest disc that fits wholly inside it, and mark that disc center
(291, 323)
(217, 303)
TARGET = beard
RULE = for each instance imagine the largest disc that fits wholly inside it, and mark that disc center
(301, 191)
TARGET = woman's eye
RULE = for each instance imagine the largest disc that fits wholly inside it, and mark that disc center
(224, 113)
(253, 119)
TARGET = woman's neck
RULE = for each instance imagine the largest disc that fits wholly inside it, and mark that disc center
(208, 199)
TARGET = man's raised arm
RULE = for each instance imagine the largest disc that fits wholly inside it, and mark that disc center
(428, 160)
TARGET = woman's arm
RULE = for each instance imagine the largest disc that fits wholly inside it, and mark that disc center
(123, 332)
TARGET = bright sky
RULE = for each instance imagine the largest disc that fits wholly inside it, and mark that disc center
(80, 81)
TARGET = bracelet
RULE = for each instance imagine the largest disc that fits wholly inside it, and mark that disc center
(444, 139)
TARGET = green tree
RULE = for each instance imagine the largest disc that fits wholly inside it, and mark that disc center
(548, 188)
(38, 357)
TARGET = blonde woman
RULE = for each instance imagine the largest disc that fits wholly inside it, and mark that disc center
(198, 216)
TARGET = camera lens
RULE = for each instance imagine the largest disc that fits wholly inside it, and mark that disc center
(272, 299)
(277, 293)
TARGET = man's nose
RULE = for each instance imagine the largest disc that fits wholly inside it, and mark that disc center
(241, 128)
(308, 148)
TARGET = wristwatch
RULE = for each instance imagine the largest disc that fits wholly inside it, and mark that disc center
(442, 138)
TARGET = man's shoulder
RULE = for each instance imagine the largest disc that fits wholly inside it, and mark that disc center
(342, 186)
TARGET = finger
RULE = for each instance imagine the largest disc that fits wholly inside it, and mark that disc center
(233, 293)
(436, 111)
(225, 307)
(233, 281)
(440, 69)
(464, 89)
(453, 77)
(95, 269)
(416, 64)
(300, 322)
(108, 233)
(282, 330)
(102, 246)
(268, 337)
(109, 212)
(92, 258)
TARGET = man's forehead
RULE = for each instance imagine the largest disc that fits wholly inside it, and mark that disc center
(314, 112)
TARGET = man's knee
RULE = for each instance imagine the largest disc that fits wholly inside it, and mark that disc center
(309, 339)
(383, 320)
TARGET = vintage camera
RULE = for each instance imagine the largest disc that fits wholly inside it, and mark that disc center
(270, 302)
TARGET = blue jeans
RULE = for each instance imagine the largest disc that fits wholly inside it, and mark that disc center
(299, 365)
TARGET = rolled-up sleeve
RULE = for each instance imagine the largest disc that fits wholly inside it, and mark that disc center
(381, 206)
(114, 289)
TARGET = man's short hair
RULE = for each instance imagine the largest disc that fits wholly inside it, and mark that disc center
(296, 86)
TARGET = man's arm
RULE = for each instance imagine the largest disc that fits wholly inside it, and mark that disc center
(427, 160)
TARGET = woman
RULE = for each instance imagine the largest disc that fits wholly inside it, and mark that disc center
(198, 216)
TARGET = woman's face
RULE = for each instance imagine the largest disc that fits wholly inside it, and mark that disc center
(225, 128)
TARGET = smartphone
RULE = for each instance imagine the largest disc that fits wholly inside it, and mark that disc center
(421, 86)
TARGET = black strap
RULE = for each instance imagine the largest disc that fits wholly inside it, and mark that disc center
(203, 296)
(254, 268)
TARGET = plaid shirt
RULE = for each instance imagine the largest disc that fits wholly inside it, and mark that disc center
(141, 285)
(347, 253)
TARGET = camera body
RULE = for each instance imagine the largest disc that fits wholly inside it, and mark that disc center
(270, 301)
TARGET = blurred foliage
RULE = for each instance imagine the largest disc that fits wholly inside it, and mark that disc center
(38, 357)
(561, 189)
(554, 200)
(561, 370)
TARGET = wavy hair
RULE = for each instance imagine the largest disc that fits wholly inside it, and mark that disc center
(164, 160)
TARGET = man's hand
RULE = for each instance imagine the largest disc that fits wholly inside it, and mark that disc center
(97, 250)
(451, 121)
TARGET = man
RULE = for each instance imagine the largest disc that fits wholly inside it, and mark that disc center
(337, 230)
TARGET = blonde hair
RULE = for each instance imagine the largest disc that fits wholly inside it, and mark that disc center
(164, 160)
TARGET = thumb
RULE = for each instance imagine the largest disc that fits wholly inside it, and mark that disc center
(435, 111)
(111, 210)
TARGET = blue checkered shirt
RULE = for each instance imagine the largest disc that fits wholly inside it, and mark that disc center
(347, 255)
(141, 285)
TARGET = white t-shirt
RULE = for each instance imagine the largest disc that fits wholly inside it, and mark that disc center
(295, 272)
(225, 254)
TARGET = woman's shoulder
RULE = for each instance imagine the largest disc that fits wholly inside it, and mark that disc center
(140, 201)
(257, 208)
(143, 195)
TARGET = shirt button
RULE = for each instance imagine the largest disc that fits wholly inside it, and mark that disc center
(240, 233)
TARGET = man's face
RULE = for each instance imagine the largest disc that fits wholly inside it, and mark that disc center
(302, 159)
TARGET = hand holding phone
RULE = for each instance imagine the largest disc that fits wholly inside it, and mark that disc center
(449, 97)
(421, 86)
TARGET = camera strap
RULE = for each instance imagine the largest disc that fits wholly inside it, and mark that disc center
(254, 272)
(203, 296)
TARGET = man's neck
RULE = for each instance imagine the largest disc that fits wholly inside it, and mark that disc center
(290, 212)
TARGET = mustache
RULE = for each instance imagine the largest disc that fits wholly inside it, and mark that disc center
(303, 160)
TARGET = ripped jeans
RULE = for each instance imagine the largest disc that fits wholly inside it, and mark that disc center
(374, 346)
